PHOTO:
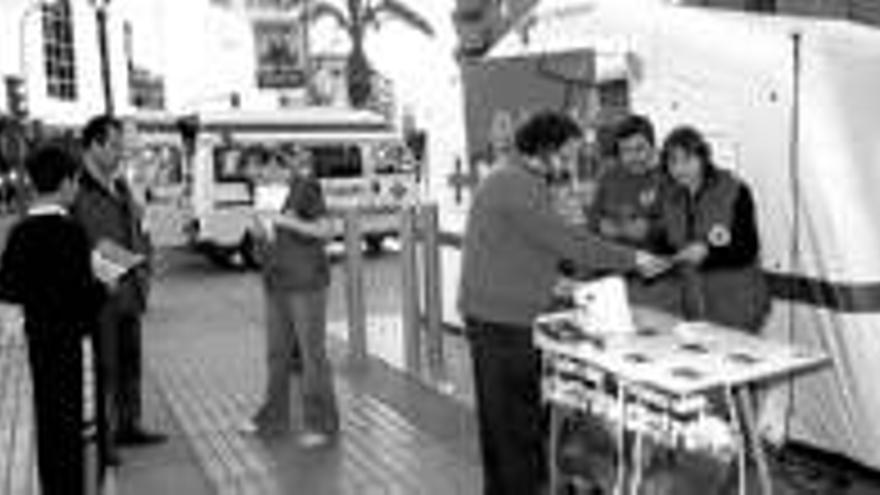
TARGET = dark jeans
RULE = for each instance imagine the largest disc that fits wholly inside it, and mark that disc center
(56, 363)
(296, 330)
(507, 371)
(119, 358)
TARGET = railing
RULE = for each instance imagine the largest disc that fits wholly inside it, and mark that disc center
(421, 283)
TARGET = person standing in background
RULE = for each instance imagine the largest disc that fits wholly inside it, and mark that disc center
(296, 276)
(627, 206)
(109, 212)
(514, 242)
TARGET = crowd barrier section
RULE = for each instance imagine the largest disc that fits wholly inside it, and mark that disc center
(354, 288)
(421, 290)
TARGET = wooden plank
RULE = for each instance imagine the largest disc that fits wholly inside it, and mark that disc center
(23, 431)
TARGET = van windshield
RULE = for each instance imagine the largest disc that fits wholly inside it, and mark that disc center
(236, 163)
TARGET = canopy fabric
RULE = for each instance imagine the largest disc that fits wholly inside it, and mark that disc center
(790, 104)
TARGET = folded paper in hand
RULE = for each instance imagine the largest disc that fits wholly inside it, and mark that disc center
(112, 260)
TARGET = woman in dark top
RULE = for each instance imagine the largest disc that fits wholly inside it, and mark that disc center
(46, 269)
(709, 223)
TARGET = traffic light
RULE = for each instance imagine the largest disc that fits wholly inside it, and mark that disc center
(16, 96)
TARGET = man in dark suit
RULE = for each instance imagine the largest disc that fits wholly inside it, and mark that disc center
(109, 212)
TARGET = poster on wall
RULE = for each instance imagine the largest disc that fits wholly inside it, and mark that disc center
(281, 54)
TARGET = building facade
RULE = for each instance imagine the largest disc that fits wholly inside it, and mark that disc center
(51, 46)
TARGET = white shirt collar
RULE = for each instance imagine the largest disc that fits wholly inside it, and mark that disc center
(47, 209)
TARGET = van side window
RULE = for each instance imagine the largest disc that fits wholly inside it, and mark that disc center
(228, 164)
(337, 161)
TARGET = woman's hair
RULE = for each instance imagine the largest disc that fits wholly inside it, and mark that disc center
(689, 140)
(545, 132)
(633, 125)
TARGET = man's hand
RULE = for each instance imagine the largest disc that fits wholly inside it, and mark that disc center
(635, 229)
(564, 287)
(650, 265)
(692, 254)
(609, 229)
(106, 271)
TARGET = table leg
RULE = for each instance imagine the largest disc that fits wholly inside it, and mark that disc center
(553, 450)
(753, 438)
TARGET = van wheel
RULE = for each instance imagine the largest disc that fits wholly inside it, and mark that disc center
(374, 243)
(221, 257)
(248, 251)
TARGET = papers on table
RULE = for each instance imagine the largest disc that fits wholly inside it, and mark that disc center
(602, 306)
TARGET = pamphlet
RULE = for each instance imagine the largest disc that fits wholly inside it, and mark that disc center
(111, 260)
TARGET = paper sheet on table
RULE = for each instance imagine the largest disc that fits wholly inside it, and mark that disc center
(604, 306)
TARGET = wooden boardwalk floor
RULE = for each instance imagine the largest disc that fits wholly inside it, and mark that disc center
(398, 437)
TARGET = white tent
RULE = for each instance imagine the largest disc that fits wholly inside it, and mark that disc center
(792, 105)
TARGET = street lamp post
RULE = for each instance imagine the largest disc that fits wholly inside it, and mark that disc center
(106, 81)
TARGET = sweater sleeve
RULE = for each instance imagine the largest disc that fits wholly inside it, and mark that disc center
(744, 244)
(534, 217)
(10, 270)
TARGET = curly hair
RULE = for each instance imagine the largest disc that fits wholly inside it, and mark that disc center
(545, 132)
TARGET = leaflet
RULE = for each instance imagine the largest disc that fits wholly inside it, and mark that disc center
(111, 260)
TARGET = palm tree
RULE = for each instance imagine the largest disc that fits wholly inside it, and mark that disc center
(357, 19)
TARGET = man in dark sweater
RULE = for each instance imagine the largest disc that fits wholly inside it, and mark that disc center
(106, 207)
(46, 269)
(513, 245)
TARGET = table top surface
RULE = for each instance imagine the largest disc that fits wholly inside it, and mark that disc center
(675, 357)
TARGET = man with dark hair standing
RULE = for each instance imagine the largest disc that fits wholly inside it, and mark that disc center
(627, 207)
(514, 242)
(109, 212)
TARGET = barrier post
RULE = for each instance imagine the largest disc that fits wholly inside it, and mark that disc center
(354, 288)
(433, 291)
(412, 341)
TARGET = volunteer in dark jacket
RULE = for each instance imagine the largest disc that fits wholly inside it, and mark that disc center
(513, 244)
(709, 223)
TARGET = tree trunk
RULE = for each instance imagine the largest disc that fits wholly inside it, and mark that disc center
(359, 74)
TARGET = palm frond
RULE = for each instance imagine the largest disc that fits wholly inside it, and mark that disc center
(394, 9)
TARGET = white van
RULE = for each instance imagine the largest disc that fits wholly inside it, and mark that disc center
(360, 160)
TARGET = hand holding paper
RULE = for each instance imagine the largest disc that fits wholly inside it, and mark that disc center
(650, 265)
(110, 261)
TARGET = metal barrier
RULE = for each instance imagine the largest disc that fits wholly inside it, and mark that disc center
(421, 292)
(354, 288)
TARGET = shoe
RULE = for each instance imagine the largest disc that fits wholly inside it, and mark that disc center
(112, 459)
(248, 426)
(257, 427)
(314, 440)
(138, 437)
